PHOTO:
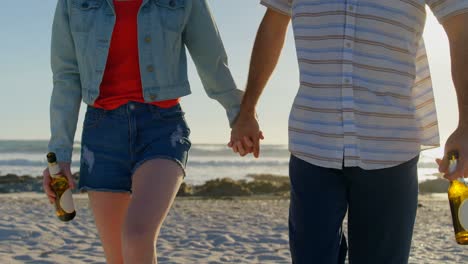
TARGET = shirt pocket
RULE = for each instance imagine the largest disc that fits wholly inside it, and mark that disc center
(171, 13)
(83, 14)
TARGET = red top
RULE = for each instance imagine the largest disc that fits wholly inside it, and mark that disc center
(122, 81)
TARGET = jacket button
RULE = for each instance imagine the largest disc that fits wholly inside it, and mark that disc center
(150, 68)
(148, 39)
(153, 97)
(85, 5)
(172, 3)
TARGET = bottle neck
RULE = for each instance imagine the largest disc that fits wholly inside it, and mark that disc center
(54, 170)
(453, 167)
(463, 180)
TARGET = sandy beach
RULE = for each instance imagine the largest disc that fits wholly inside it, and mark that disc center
(240, 230)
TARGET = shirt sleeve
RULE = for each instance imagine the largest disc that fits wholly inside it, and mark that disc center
(444, 9)
(281, 6)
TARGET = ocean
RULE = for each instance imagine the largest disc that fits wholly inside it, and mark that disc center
(206, 161)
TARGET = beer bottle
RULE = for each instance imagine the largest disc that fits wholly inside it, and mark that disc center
(64, 207)
(458, 198)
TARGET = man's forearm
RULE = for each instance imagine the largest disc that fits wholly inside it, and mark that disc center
(267, 49)
(458, 38)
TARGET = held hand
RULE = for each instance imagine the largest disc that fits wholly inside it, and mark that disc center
(246, 136)
(47, 179)
(458, 141)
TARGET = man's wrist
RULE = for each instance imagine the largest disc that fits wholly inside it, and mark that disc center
(462, 112)
(247, 113)
(462, 119)
(463, 125)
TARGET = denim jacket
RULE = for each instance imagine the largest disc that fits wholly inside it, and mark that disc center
(81, 37)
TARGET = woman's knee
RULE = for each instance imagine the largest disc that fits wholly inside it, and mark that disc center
(135, 232)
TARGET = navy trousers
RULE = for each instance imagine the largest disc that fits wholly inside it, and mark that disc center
(381, 206)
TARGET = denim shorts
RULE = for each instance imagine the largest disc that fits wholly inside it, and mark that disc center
(116, 142)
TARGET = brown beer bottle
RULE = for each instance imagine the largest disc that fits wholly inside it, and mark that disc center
(458, 198)
(64, 207)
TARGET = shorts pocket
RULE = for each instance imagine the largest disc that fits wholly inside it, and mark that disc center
(174, 113)
(93, 117)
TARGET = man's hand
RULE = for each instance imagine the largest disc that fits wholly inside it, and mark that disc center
(246, 135)
(47, 179)
(458, 141)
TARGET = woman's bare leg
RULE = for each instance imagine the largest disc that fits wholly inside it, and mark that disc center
(155, 185)
(109, 211)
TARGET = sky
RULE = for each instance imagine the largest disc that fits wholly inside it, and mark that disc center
(25, 75)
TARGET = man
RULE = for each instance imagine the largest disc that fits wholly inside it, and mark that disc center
(363, 112)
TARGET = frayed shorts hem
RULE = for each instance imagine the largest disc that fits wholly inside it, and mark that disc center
(87, 189)
(164, 157)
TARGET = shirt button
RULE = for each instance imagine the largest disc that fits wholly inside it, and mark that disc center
(351, 8)
(347, 81)
(148, 39)
(153, 97)
(150, 68)
(348, 45)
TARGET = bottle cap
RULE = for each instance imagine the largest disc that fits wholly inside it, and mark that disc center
(51, 158)
(453, 160)
(453, 155)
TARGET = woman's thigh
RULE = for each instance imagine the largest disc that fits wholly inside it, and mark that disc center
(155, 186)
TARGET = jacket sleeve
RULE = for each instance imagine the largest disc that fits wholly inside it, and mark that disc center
(66, 94)
(204, 43)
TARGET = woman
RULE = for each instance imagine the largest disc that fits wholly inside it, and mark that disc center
(126, 60)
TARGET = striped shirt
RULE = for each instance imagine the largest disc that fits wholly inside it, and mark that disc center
(365, 97)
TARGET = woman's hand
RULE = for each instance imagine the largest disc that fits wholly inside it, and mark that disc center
(47, 179)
